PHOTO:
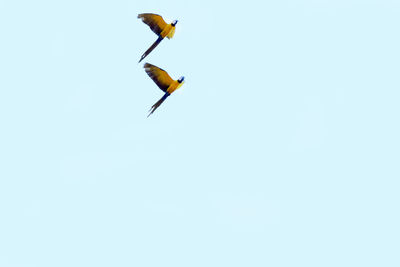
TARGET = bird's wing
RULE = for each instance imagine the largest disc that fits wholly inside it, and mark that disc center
(155, 22)
(159, 76)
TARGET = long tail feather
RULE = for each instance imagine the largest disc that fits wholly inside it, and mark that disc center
(151, 48)
(158, 103)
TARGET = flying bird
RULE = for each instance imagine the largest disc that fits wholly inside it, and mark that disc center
(163, 81)
(159, 27)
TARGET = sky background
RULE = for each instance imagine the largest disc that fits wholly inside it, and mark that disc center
(281, 149)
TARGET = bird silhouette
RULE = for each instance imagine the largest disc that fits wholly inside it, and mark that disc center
(159, 27)
(163, 81)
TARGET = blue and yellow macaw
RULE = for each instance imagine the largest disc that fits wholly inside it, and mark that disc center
(163, 81)
(159, 27)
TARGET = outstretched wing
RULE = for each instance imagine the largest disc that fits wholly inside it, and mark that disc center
(155, 22)
(159, 76)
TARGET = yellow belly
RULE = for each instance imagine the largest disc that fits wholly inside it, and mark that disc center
(171, 33)
(168, 31)
(174, 86)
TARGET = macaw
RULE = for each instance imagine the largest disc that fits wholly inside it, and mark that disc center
(163, 81)
(159, 27)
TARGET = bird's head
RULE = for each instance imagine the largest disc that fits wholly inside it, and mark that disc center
(174, 23)
(181, 79)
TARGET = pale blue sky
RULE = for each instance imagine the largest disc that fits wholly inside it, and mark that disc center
(281, 149)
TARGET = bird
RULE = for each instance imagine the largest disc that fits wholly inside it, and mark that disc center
(163, 81)
(159, 27)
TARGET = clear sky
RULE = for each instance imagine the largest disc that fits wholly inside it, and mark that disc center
(281, 149)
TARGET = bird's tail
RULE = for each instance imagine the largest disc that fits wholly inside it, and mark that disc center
(158, 103)
(151, 48)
